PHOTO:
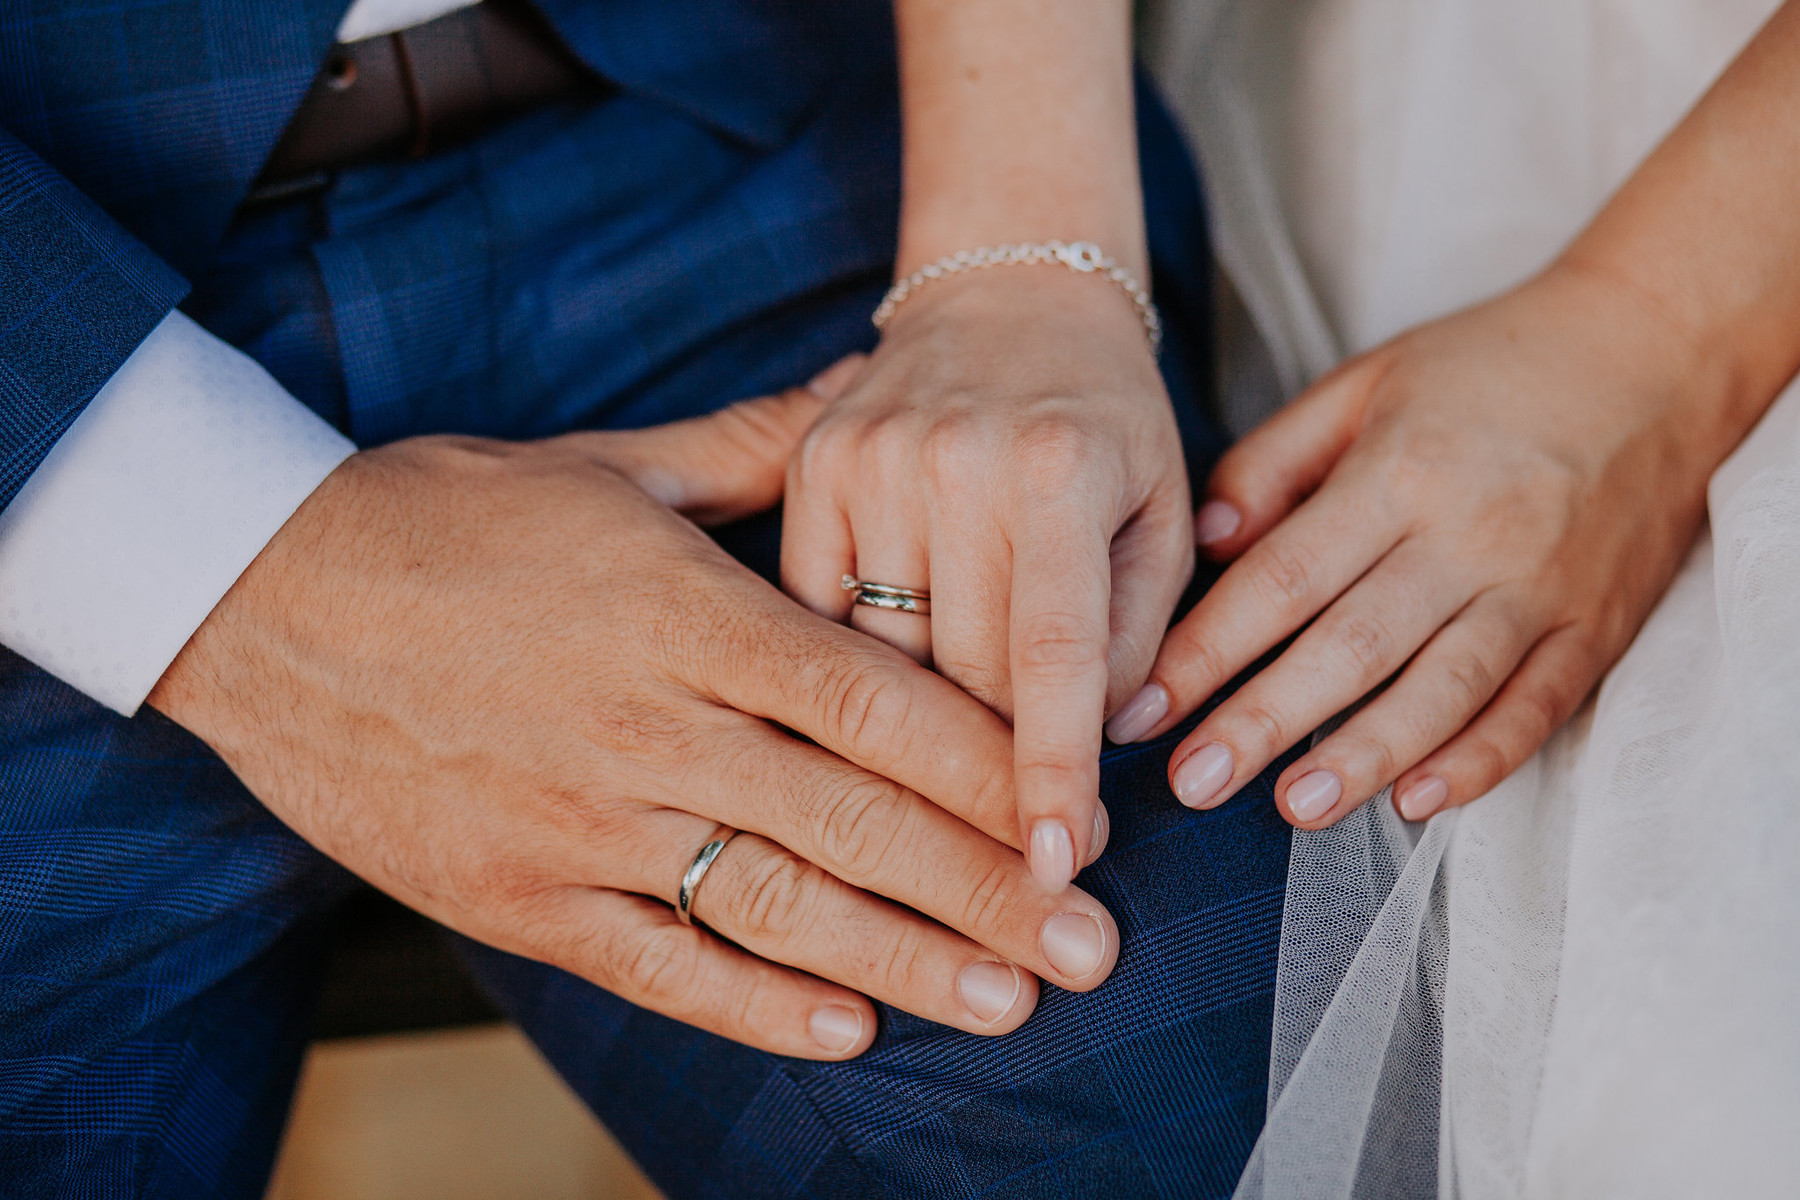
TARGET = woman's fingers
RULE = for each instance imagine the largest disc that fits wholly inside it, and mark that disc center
(1279, 585)
(1152, 562)
(1357, 643)
(1059, 635)
(1261, 479)
(635, 947)
(971, 613)
(1536, 699)
(1447, 683)
(870, 705)
(890, 550)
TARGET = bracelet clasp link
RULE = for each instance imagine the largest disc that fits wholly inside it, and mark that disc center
(1080, 256)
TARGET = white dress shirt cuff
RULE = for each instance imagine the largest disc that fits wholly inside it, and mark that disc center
(149, 508)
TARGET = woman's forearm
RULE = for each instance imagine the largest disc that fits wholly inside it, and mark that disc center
(1018, 126)
(1707, 232)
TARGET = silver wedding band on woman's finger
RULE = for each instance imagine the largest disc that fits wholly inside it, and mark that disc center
(888, 596)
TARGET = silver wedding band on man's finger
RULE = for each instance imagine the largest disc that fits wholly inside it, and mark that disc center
(696, 871)
(888, 596)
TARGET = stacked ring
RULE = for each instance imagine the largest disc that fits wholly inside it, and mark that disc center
(885, 595)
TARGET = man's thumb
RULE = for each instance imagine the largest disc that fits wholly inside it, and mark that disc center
(730, 463)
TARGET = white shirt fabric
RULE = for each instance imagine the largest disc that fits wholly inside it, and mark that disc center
(1582, 984)
(162, 492)
(149, 508)
(375, 18)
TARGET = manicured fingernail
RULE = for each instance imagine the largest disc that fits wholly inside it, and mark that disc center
(1052, 855)
(830, 383)
(1312, 795)
(836, 1028)
(990, 989)
(1102, 831)
(1216, 521)
(665, 487)
(1074, 943)
(1206, 770)
(1140, 714)
(1423, 797)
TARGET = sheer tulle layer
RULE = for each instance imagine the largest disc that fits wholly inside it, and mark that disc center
(1583, 984)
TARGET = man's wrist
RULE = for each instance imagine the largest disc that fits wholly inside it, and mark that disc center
(143, 515)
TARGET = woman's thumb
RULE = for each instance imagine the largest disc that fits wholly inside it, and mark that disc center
(730, 463)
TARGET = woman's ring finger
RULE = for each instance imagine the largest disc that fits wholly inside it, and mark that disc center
(888, 596)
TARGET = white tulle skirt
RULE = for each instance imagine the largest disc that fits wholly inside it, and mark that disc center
(1586, 984)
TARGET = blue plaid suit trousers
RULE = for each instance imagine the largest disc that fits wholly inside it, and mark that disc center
(721, 228)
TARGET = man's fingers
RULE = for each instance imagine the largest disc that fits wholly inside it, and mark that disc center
(1060, 629)
(1280, 584)
(878, 836)
(1444, 686)
(1261, 479)
(1544, 692)
(868, 703)
(727, 464)
(634, 947)
(778, 905)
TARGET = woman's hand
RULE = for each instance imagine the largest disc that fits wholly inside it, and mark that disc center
(1010, 449)
(1465, 528)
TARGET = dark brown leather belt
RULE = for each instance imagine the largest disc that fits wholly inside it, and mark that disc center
(424, 89)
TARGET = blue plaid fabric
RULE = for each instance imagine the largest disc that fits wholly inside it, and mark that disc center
(77, 295)
(1153, 1085)
(718, 230)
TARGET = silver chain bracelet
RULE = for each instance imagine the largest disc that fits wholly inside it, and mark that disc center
(1084, 257)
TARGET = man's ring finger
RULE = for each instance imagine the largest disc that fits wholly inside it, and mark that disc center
(703, 861)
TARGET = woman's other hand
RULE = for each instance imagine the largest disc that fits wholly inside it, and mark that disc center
(1465, 528)
(1011, 450)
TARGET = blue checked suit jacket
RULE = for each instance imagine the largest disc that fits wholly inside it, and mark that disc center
(722, 227)
(131, 129)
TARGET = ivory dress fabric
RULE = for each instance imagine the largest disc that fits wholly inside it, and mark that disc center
(1584, 984)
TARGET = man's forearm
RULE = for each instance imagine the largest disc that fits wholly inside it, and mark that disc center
(1019, 126)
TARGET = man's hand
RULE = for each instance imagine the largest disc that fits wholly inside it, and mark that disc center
(505, 685)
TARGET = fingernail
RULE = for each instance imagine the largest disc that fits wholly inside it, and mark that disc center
(665, 487)
(1312, 795)
(1102, 831)
(990, 989)
(836, 1028)
(1052, 855)
(1216, 521)
(1423, 797)
(1074, 943)
(1206, 770)
(830, 383)
(1140, 714)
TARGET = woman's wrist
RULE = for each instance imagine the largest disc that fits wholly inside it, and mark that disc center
(1693, 373)
(1062, 303)
(1119, 234)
